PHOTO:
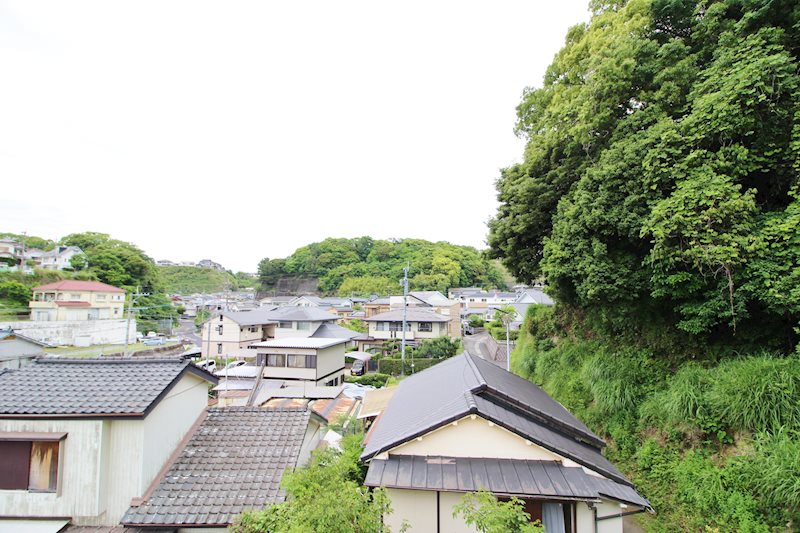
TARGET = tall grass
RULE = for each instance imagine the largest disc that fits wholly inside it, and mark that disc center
(758, 393)
(683, 401)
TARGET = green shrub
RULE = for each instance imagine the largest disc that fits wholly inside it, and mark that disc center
(757, 393)
(476, 321)
(376, 380)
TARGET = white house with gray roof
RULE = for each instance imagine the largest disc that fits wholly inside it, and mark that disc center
(465, 425)
(230, 332)
(303, 360)
(79, 438)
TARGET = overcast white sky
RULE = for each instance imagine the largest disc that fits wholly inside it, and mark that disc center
(241, 130)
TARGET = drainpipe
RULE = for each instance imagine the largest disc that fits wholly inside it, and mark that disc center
(438, 517)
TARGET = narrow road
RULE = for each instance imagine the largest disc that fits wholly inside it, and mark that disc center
(480, 345)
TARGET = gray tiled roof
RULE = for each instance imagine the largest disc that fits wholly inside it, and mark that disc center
(466, 385)
(334, 331)
(233, 462)
(61, 387)
(266, 315)
(517, 477)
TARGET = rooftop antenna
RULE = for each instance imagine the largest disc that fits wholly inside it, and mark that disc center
(404, 283)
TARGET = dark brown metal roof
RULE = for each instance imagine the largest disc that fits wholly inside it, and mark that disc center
(233, 462)
(515, 477)
(90, 387)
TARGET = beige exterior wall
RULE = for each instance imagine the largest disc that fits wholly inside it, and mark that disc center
(103, 305)
(474, 437)
(233, 337)
(106, 463)
(417, 507)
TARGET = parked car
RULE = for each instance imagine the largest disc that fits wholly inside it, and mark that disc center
(358, 368)
(208, 364)
(233, 364)
(154, 341)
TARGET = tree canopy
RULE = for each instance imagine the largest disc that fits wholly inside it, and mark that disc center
(364, 266)
(660, 175)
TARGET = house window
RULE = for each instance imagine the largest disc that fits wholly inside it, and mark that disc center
(253, 330)
(380, 326)
(425, 326)
(219, 348)
(285, 325)
(302, 361)
(219, 329)
(29, 465)
(74, 296)
(398, 326)
(220, 316)
(276, 359)
(100, 297)
(304, 325)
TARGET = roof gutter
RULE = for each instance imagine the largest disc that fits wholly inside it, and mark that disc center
(618, 515)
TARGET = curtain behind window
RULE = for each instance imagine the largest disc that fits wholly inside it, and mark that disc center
(553, 518)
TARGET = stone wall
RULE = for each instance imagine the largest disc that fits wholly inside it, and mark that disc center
(72, 333)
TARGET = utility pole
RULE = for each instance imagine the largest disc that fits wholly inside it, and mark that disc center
(404, 283)
(128, 324)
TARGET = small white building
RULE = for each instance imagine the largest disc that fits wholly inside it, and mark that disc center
(309, 360)
(79, 438)
(421, 324)
(58, 258)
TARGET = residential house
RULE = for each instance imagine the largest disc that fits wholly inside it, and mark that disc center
(17, 350)
(302, 360)
(465, 425)
(77, 300)
(533, 295)
(208, 263)
(421, 324)
(79, 438)
(376, 306)
(232, 331)
(434, 301)
(233, 462)
(59, 257)
(275, 301)
(10, 251)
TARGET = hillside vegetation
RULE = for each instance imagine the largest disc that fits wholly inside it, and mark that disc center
(189, 280)
(364, 266)
(658, 198)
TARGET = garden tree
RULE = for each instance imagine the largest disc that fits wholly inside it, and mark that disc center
(660, 176)
(326, 495)
(439, 348)
(85, 240)
(490, 515)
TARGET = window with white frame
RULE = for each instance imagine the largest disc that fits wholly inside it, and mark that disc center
(425, 327)
(304, 325)
(284, 325)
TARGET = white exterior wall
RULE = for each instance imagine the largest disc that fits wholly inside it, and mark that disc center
(63, 333)
(78, 495)
(438, 329)
(330, 360)
(295, 332)
(167, 424)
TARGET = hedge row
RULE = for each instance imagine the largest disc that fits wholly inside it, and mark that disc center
(393, 366)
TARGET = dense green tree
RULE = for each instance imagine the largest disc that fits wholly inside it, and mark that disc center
(327, 495)
(661, 170)
(15, 294)
(490, 515)
(348, 266)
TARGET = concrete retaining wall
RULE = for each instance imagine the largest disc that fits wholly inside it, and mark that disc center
(70, 333)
